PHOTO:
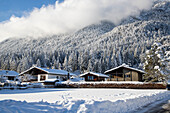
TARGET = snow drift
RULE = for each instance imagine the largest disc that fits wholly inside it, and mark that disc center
(90, 101)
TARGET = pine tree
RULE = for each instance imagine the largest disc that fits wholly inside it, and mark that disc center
(65, 64)
(155, 64)
(84, 61)
(90, 65)
(38, 63)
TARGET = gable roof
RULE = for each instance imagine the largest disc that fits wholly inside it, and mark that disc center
(96, 74)
(125, 66)
(8, 73)
(49, 71)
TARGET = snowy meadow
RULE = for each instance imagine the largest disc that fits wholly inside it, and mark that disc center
(78, 100)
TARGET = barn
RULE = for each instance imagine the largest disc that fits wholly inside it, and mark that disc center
(125, 73)
(92, 76)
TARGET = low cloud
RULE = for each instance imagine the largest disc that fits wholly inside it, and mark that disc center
(69, 16)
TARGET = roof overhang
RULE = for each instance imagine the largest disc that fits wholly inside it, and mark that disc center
(95, 74)
(33, 67)
(124, 66)
(47, 71)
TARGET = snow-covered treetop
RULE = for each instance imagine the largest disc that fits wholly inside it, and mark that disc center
(157, 44)
(156, 63)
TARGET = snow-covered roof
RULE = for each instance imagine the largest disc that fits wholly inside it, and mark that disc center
(8, 73)
(96, 74)
(50, 71)
(125, 66)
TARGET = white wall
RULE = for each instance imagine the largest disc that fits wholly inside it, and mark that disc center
(59, 77)
(53, 76)
(39, 77)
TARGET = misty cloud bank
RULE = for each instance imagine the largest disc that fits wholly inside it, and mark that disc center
(69, 16)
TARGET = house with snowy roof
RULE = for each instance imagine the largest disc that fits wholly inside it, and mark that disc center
(45, 75)
(8, 75)
(125, 73)
(92, 76)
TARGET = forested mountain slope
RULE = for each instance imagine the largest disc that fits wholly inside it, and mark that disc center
(97, 47)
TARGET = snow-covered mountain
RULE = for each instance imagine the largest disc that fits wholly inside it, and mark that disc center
(96, 47)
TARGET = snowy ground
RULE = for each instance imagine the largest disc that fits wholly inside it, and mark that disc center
(78, 100)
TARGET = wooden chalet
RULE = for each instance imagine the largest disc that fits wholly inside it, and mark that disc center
(91, 76)
(125, 73)
(38, 74)
(9, 75)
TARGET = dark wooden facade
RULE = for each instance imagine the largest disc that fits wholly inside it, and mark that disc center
(34, 72)
(125, 74)
(91, 77)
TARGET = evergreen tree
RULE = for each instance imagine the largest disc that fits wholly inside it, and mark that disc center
(91, 64)
(65, 64)
(84, 61)
(155, 64)
(38, 63)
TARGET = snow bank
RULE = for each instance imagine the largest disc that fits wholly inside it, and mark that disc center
(124, 106)
(32, 85)
(108, 82)
(79, 106)
(104, 82)
(78, 100)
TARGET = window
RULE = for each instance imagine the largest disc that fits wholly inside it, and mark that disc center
(90, 77)
(127, 76)
(10, 78)
(42, 77)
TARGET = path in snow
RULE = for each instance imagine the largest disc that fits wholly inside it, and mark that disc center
(160, 106)
(78, 100)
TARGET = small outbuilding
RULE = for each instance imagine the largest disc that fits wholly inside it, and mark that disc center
(125, 73)
(92, 76)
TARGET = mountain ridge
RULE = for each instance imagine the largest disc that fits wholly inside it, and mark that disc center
(96, 47)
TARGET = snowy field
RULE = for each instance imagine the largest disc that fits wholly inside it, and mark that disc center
(78, 100)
